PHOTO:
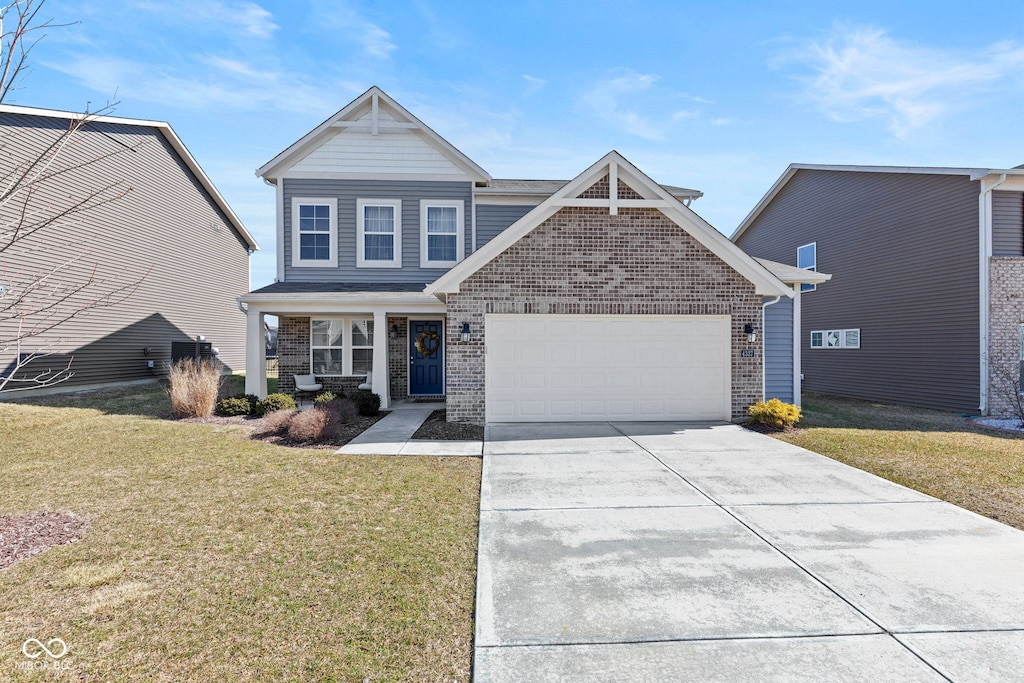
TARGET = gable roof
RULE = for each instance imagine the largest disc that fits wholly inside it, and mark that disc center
(652, 195)
(373, 102)
(792, 169)
(172, 139)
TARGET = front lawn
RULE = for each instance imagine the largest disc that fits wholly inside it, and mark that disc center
(935, 452)
(212, 557)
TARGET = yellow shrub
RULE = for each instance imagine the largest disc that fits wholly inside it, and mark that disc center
(774, 413)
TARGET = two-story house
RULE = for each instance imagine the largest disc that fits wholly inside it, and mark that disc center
(602, 297)
(927, 304)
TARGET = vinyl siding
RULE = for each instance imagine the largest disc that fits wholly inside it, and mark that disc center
(1007, 223)
(347, 192)
(778, 351)
(165, 238)
(493, 218)
(903, 252)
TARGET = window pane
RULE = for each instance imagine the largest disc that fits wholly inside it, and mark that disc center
(314, 218)
(314, 247)
(379, 219)
(441, 247)
(806, 256)
(379, 247)
(322, 211)
(362, 333)
(327, 361)
(306, 211)
(362, 361)
(442, 219)
(327, 333)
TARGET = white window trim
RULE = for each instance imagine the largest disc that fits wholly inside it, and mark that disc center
(346, 343)
(841, 335)
(805, 286)
(361, 261)
(331, 262)
(460, 232)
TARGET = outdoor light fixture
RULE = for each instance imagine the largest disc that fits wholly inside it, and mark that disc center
(394, 331)
(146, 351)
(748, 330)
(465, 332)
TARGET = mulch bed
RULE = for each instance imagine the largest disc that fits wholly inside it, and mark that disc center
(768, 429)
(255, 425)
(25, 536)
(437, 428)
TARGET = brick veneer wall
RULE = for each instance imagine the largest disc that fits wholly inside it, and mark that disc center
(585, 261)
(293, 358)
(1006, 315)
(398, 358)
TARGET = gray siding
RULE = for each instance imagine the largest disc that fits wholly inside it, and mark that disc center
(492, 219)
(347, 192)
(778, 351)
(1007, 223)
(903, 251)
(165, 235)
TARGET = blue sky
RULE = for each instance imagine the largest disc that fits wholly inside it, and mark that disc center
(718, 96)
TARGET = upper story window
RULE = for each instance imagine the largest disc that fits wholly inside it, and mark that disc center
(379, 243)
(314, 232)
(442, 238)
(807, 257)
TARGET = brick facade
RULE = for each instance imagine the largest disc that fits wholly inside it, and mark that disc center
(1006, 315)
(398, 357)
(585, 261)
(293, 358)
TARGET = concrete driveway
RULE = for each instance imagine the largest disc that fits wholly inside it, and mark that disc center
(705, 552)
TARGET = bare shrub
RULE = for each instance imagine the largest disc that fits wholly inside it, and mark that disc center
(309, 425)
(194, 388)
(1007, 386)
(276, 422)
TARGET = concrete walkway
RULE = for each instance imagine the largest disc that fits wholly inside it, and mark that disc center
(392, 435)
(687, 552)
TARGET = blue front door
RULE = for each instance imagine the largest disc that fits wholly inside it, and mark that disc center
(426, 357)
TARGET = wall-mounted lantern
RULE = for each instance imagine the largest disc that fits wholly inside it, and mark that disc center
(465, 332)
(748, 330)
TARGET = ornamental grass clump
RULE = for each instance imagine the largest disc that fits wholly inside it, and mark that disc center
(277, 422)
(774, 413)
(194, 386)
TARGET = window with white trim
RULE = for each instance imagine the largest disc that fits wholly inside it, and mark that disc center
(836, 339)
(807, 257)
(314, 232)
(442, 241)
(341, 346)
(379, 228)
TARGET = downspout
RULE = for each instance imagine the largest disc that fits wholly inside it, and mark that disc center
(764, 347)
(984, 254)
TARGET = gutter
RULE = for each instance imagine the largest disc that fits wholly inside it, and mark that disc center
(984, 256)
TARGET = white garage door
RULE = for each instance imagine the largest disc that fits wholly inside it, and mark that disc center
(551, 368)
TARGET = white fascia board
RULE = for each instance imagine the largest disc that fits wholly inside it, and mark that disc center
(355, 302)
(169, 135)
(764, 282)
(273, 168)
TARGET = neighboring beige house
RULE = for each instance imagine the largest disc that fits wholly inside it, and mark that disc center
(600, 298)
(167, 238)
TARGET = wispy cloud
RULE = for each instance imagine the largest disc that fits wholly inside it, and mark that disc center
(246, 17)
(207, 83)
(631, 101)
(862, 73)
(354, 27)
(533, 84)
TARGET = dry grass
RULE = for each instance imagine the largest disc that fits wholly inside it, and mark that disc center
(935, 452)
(194, 386)
(212, 557)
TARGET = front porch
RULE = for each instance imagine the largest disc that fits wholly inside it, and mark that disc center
(347, 340)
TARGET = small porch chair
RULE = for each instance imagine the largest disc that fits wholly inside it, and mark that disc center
(306, 384)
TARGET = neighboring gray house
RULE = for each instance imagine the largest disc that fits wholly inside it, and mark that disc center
(166, 237)
(603, 297)
(927, 303)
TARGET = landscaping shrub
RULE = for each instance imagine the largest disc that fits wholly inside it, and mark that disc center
(253, 400)
(275, 402)
(774, 413)
(194, 387)
(308, 425)
(324, 397)
(277, 422)
(341, 411)
(366, 403)
(236, 405)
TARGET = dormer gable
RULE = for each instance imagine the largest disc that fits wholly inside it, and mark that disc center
(373, 137)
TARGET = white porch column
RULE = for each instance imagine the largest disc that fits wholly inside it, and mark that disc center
(381, 372)
(255, 353)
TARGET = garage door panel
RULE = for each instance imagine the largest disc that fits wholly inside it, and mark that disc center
(553, 367)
